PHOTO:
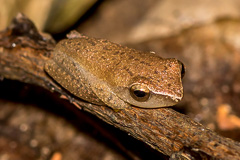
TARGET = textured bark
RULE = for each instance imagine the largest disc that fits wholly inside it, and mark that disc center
(23, 52)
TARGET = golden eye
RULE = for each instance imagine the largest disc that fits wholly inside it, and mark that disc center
(139, 92)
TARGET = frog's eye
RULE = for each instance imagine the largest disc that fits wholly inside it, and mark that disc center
(182, 68)
(139, 92)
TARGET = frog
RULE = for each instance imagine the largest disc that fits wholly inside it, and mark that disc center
(102, 72)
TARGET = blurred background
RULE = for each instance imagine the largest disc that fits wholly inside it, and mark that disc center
(203, 34)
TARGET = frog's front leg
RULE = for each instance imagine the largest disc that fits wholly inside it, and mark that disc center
(107, 96)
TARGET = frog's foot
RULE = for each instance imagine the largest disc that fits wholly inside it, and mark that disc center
(118, 110)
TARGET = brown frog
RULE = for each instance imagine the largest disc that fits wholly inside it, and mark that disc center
(106, 73)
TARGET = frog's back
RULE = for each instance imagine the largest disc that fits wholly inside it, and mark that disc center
(105, 59)
(90, 51)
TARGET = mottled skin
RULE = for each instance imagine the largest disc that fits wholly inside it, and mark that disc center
(102, 72)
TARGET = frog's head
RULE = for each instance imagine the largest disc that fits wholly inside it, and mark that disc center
(157, 86)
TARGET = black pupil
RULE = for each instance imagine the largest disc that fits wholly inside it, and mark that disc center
(139, 93)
